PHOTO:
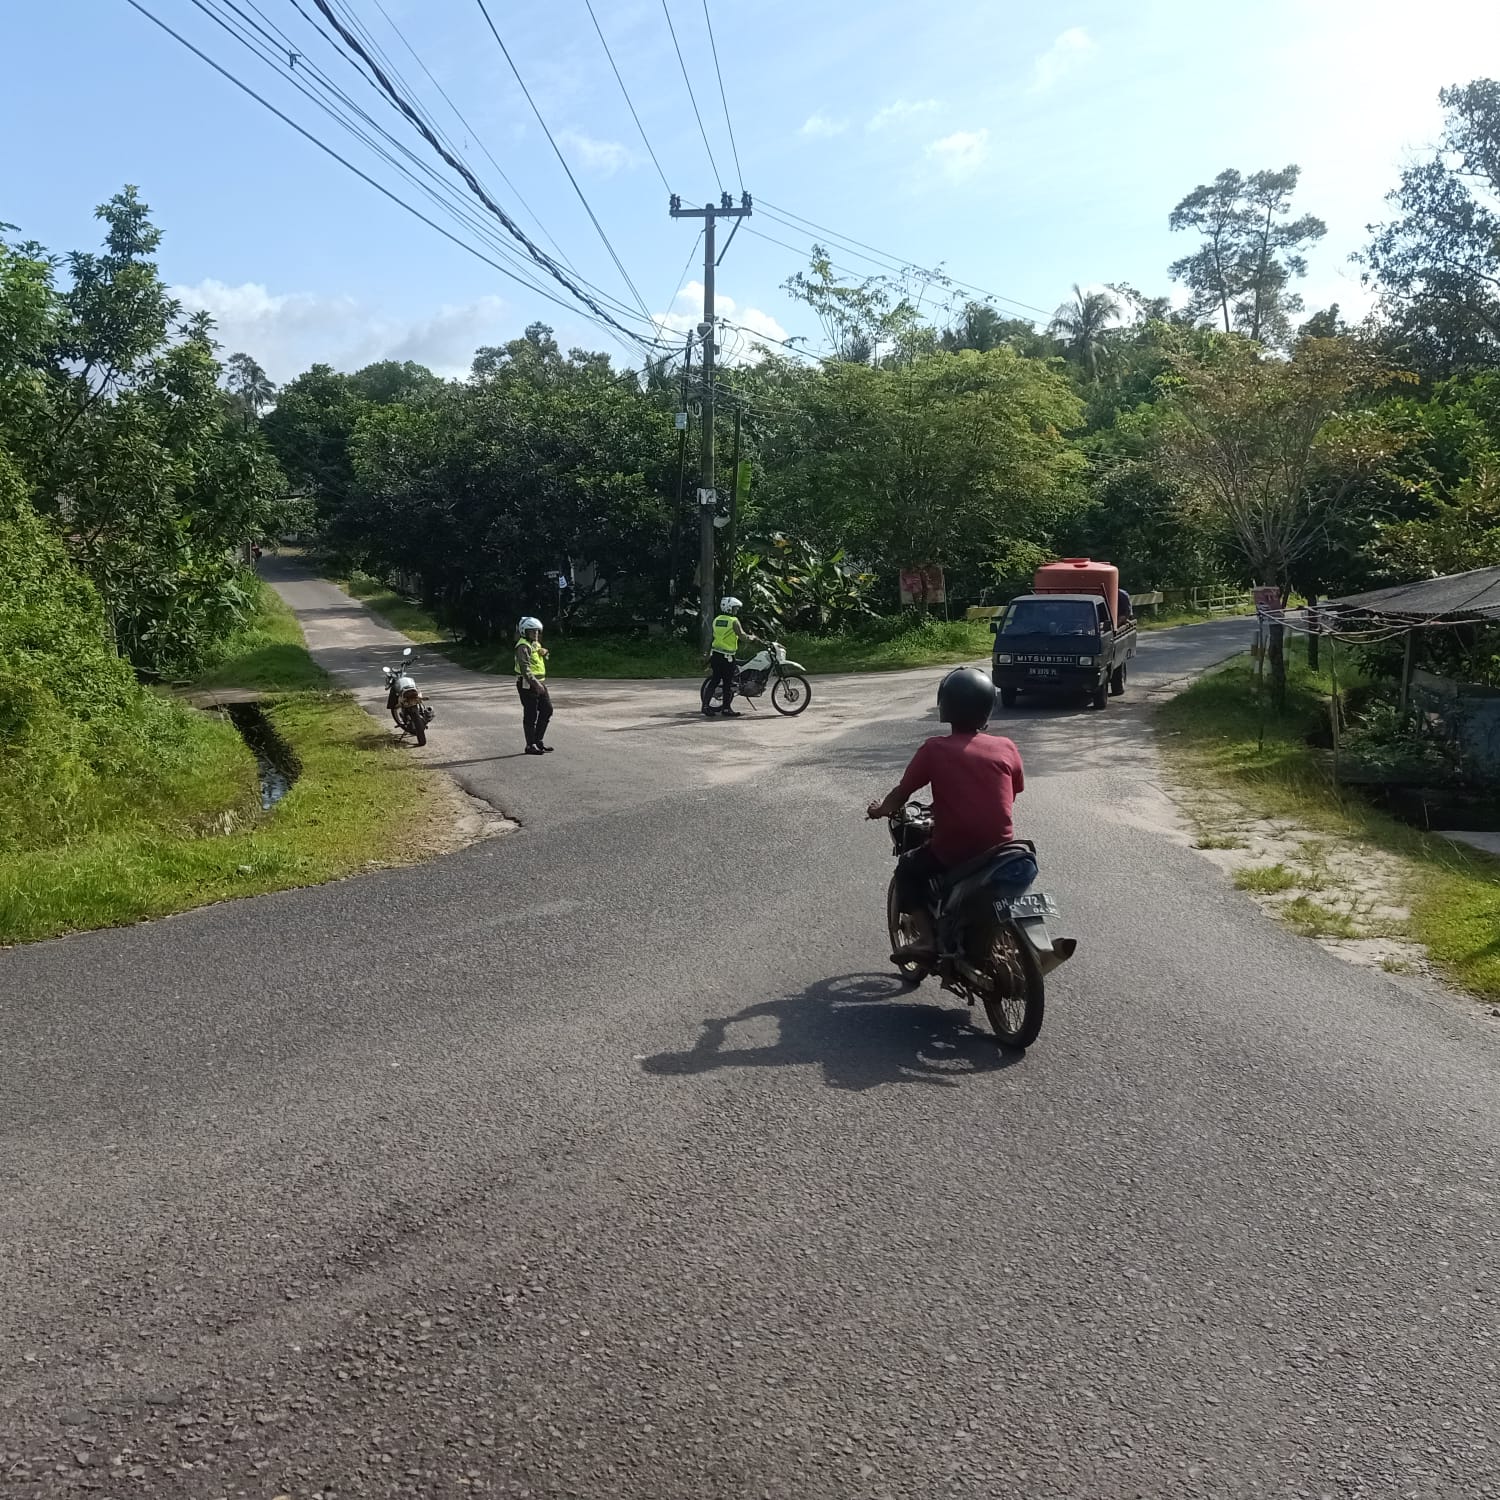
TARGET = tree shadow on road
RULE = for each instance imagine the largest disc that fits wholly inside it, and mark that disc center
(863, 1030)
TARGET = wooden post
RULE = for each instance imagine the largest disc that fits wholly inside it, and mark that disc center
(1406, 666)
(1260, 678)
(1333, 702)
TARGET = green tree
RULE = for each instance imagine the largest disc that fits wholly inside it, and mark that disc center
(537, 464)
(114, 416)
(862, 318)
(250, 386)
(1437, 262)
(1256, 442)
(1250, 249)
(1445, 512)
(1138, 520)
(1082, 324)
(943, 461)
(979, 326)
(310, 432)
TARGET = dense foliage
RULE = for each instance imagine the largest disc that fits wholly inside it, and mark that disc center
(111, 411)
(1197, 441)
(129, 486)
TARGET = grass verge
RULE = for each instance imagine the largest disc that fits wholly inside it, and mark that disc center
(1171, 618)
(1210, 735)
(930, 643)
(204, 837)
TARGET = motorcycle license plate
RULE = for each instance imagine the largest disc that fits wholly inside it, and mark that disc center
(1032, 904)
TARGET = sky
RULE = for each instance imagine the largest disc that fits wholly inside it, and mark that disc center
(1024, 148)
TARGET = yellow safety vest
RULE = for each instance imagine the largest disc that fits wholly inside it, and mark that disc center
(726, 634)
(538, 661)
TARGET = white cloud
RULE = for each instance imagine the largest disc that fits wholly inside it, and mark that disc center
(1070, 50)
(734, 342)
(604, 157)
(901, 111)
(288, 331)
(961, 154)
(821, 126)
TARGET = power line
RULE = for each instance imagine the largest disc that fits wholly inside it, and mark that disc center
(478, 140)
(440, 190)
(834, 265)
(785, 343)
(691, 95)
(467, 216)
(610, 55)
(619, 264)
(358, 172)
(901, 262)
(538, 255)
(682, 279)
(419, 116)
(722, 95)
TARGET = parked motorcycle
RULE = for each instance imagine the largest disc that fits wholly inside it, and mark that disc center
(791, 692)
(408, 705)
(992, 940)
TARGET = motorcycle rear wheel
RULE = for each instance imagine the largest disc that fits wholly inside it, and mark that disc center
(901, 932)
(712, 703)
(791, 694)
(416, 726)
(1015, 998)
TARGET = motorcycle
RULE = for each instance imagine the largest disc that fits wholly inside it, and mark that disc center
(791, 692)
(408, 706)
(992, 940)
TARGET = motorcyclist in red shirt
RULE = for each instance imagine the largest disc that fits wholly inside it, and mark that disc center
(975, 778)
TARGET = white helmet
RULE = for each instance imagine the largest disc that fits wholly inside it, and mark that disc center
(529, 622)
(728, 604)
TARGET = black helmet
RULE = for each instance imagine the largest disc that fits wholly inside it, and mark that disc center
(966, 699)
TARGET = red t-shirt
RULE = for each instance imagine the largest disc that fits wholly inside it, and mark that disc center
(974, 780)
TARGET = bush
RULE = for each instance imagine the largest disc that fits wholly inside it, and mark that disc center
(80, 739)
(1394, 741)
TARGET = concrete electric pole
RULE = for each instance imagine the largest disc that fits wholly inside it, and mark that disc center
(710, 213)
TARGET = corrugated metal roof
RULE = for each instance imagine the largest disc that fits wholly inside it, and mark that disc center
(1463, 595)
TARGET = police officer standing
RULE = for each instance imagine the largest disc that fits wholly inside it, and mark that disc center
(531, 684)
(728, 633)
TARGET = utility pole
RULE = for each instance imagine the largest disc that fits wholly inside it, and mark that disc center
(710, 213)
(734, 507)
(682, 438)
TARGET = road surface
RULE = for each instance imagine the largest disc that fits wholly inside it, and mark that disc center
(608, 1159)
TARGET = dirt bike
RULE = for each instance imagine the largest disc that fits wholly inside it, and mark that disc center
(992, 940)
(791, 692)
(406, 703)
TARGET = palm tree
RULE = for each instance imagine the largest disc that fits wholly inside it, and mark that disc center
(1081, 324)
(252, 387)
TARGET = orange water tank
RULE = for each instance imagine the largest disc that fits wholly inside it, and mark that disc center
(1079, 575)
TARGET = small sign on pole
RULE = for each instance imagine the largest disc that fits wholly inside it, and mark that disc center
(681, 423)
(1267, 596)
(923, 585)
(708, 497)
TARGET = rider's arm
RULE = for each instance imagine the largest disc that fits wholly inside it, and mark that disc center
(743, 634)
(917, 776)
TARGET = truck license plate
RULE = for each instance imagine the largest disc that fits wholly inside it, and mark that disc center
(1041, 671)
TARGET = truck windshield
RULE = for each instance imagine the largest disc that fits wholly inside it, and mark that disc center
(1050, 617)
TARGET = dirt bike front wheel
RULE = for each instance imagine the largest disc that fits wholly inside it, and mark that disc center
(791, 694)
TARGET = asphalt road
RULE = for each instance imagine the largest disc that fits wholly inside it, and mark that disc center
(606, 1159)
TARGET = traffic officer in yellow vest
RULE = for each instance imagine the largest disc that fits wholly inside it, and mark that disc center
(728, 633)
(531, 684)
